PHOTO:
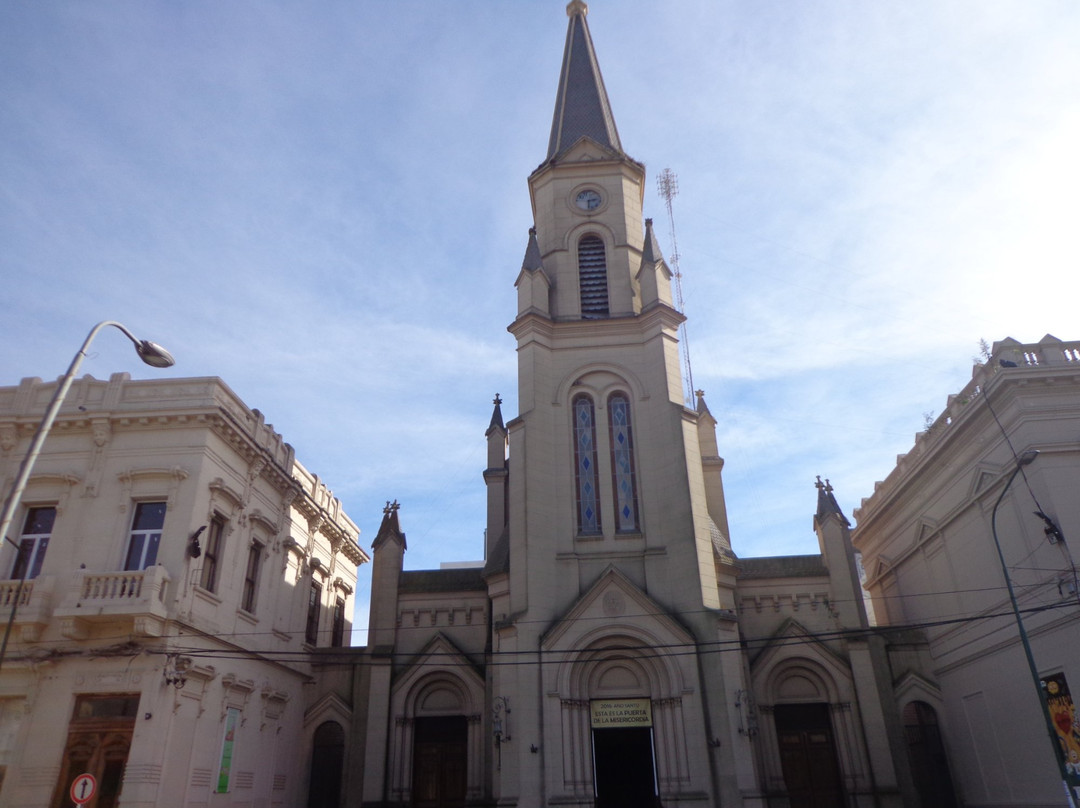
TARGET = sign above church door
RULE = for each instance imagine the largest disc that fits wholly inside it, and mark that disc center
(611, 713)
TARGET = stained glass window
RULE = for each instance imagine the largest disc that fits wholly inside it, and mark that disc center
(622, 464)
(585, 474)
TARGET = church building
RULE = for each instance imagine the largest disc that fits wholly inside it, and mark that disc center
(613, 650)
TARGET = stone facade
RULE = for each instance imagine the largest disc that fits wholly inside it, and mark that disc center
(927, 540)
(172, 550)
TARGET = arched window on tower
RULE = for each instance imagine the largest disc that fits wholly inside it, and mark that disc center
(622, 464)
(585, 475)
(592, 275)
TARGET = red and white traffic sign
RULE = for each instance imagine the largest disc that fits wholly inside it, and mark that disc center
(83, 788)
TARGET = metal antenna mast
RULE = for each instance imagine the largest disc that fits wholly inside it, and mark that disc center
(667, 184)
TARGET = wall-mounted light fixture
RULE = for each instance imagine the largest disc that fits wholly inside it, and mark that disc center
(500, 723)
(176, 670)
(194, 548)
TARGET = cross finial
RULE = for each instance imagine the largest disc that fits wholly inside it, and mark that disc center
(828, 486)
(819, 484)
(386, 510)
(394, 506)
(699, 393)
(497, 400)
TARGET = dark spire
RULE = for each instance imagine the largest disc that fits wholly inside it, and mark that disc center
(532, 253)
(390, 528)
(826, 502)
(496, 416)
(581, 104)
(651, 251)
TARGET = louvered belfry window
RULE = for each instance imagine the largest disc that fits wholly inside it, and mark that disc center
(592, 272)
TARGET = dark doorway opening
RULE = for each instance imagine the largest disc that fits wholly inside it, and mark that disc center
(623, 760)
(929, 766)
(327, 759)
(439, 762)
(808, 756)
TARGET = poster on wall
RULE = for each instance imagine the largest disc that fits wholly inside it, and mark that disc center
(232, 717)
(1066, 722)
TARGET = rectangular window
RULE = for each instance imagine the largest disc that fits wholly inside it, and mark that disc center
(251, 578)
(212, 554)
(311, 633)
(33, 542)
(145, 537)
(337, 636)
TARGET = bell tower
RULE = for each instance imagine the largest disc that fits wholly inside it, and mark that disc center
(614, 523)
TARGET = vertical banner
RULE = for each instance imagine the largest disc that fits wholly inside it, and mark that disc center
(1066, 722)
(232, 718)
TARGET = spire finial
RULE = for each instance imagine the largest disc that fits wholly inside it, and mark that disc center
(699, 393)
(576, 7)
(497, 401)
(819, 484)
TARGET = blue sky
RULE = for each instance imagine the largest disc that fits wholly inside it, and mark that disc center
(325, 205)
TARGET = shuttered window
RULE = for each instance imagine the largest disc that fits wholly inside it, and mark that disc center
(592, 273)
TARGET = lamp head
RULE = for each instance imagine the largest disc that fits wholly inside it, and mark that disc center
(153, 354)
(1027, 458)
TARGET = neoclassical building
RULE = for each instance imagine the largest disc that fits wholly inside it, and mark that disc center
(1003, 459)
(612, 650)
(172, 565)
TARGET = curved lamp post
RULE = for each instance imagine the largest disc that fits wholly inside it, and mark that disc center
(1026, 459)
(149, 352)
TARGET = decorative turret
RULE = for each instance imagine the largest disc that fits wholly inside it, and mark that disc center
(533, 284)
(834, 539)
(388, 556)
(654, 277)
(712, 466)
(495, 476)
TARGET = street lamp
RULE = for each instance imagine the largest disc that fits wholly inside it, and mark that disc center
(149, 352)
(1027, 458)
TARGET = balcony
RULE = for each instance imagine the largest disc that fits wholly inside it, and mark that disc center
(32, 601)
(135, 598)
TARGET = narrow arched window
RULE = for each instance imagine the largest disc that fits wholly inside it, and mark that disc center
(327, 764)
(585, 474)
(622, 464)
(592, 275)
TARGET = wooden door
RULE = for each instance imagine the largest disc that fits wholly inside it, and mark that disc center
(99, 738)
(808, 756)
(439, 762)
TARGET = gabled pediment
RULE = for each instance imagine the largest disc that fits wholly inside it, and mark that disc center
(585, 149)
(794, 641)
(882, 566)
(330, 707)
(982, 479)
(612, 605)
(439, 653)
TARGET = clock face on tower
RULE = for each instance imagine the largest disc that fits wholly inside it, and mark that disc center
(588, 199)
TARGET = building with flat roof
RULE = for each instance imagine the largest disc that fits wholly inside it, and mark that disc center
(174, 566)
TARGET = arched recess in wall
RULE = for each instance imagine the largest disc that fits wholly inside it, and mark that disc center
(616, 663)
(436, 725)
(926, 754)
(806, 695)
(327, 762)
